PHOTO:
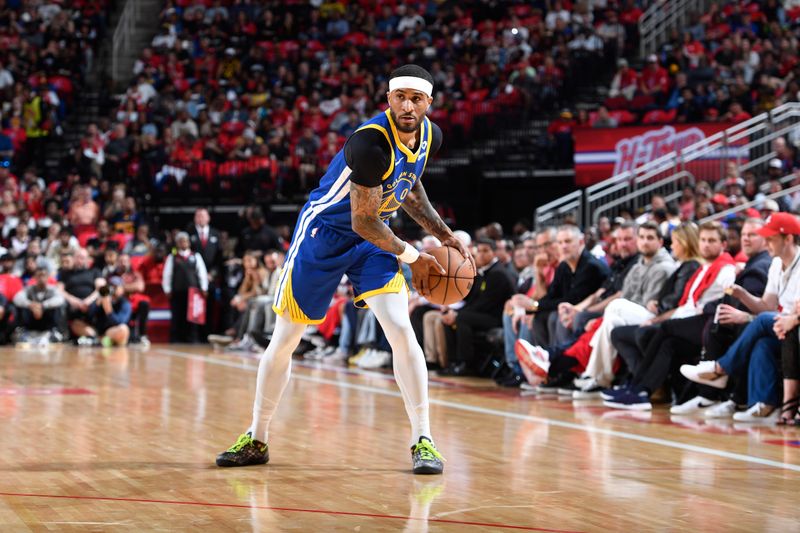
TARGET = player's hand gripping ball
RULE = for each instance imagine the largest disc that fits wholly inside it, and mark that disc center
(457, 280)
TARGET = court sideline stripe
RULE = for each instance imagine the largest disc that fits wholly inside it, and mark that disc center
(284, 509)
(508, 414)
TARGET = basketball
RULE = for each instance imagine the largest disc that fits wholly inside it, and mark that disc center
(449, 288)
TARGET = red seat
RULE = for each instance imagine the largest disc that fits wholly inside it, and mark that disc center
(121, 239)
(658, 116)
(84, 233)
(623, 116)
(10, 286)
(642, 101)
(617, 102)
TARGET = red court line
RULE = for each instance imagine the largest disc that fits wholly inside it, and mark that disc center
(41, 391)
(286, 509)
(674, 468)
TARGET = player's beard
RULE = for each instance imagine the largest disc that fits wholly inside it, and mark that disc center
(400, 126)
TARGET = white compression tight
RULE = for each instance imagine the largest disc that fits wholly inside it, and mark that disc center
(408, 360)
(273, 374)
(410, 370)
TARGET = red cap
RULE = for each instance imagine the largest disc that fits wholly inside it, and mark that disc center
(780, 224)
(720, 198)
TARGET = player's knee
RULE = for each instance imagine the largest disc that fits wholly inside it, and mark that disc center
(396, 331)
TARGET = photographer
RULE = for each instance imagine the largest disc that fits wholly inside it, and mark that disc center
(108, 316)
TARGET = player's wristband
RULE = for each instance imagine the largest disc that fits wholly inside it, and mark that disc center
(409, 255)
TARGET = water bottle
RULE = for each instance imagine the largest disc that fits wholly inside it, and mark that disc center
(716, 327)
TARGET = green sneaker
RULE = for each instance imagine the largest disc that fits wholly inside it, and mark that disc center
(247, 451)
(426, 458)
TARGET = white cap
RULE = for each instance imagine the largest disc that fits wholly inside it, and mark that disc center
(775, 163)
(770, 205)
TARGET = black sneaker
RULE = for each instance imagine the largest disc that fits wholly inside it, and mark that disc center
(554, 383)
(426, 458)
(247, 451)
(512, 381)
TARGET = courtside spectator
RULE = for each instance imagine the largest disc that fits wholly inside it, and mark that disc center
(183, 270)
(680, 325)
(39, 309)
(482, 310)
(77, 283)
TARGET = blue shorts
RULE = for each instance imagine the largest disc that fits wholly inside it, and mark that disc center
(315, 263)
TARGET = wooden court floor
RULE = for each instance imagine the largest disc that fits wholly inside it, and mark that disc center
(124, 440)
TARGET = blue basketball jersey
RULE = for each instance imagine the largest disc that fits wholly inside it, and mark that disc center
(330, 202)
(324, 245)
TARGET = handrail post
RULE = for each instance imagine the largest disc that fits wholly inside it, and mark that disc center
(723, 159)
(584, 211)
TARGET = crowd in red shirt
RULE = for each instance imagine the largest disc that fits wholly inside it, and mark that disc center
(249, 97)
(45, 51)
(729, 64)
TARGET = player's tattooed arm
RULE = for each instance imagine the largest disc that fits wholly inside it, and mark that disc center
(420, 209)
(365, 203)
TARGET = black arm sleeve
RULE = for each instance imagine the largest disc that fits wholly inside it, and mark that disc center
(368, 154)
(436, 138)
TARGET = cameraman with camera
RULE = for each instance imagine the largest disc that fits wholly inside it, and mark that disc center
(108, 316)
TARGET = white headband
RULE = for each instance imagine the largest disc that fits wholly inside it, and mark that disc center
(411, 82)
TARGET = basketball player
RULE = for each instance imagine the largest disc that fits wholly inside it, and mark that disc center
(343, 230)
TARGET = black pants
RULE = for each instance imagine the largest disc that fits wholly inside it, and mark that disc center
(141, 316)
(790, 355)
(49, 320)
(675, 342)
(416, 322)
(560, 363)
(461, 340)
(180, 329)
(631, 343)
(541, 328)
(7, 324)
(211, 325)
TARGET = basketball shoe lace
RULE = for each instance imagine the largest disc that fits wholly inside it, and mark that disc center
(242, 442)
(427, 452)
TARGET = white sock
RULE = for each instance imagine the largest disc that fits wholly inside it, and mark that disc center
(274, 370)
(408, 360)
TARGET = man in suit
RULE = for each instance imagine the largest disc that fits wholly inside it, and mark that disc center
(482, 310)
(205, 241)
(257, 235)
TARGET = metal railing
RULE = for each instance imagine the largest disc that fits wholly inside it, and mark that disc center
(557, 212)
(756, 203)
(748, 146)
(123, 39)
(662, 18)
(670, 188)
